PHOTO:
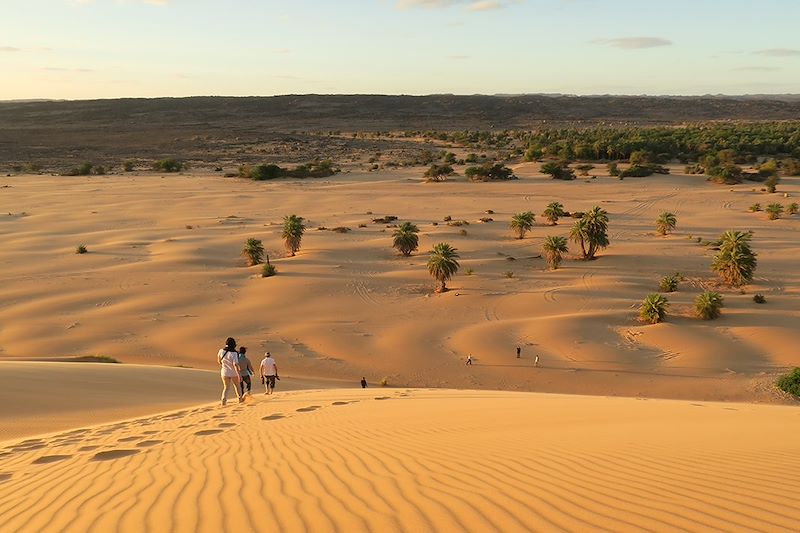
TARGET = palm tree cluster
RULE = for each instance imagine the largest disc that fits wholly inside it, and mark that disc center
(736, 261)
(521, 223)
(293, 229)
(253, 251)
(665, 223)
(443, 264)
(405, 238)
(774, 211)
(653, 309)
(552, 212)
(553, 249)
(591, 232)
(707, 305)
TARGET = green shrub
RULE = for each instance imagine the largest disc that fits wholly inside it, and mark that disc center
(653, 309)
(791, 383)
(558, 170)
(774, 211)
(128, 166)
(508, 274)
(253, 251)
(735, 262)
(792, 209)
(707, 305)
(772, 183)
(490, 172)
(669, 283)
(759, 298)
(81, 249)
(169, 165)
(438, 172)
(756, 207)
(266, 172)
(268, 270)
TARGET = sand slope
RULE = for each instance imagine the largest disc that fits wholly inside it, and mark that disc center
(41, 397)
(415, 460)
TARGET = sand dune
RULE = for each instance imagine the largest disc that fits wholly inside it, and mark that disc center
(163, 282)
(414, 460)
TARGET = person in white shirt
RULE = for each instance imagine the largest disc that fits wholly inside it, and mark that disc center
(228, 360)
(269, 373)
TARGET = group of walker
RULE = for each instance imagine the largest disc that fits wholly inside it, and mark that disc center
(237, 371)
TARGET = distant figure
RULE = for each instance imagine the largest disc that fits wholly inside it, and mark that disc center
(228, 360)
(269, 373)
(363, 383)
(469, 360)
(519, 350)
(536, 361)
(245, 371)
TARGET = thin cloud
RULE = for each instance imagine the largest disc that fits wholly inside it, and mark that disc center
(757, 69)
(471, 5)
(778, 52)
(634, 43)
(10, 49)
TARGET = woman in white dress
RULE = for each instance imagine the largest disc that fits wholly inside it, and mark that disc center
(228, 359)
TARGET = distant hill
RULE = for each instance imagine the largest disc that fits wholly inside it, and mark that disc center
(55, 130)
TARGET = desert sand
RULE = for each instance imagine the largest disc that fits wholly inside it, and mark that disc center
(414, 460)
(163, 282)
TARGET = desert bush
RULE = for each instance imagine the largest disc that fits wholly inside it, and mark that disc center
(774, 211)
(128, 166)
(591, 232)
(553, 249)
(707, 305)
(653, 309)
(521, 223)
(791, 209)
(508, 274)
(469, 272)
(486, 220)
(735, 262)
(665, 223)
(490, 172)
(384, 382)
(439, 172)
(293, 229)
(443, 264)
(791, 383)
(584, 169)
(613, 169)
(265, 172)
(669, 283)
(642, 170)
(405, 239)
(759, 298)
(447, 218)
(756, 207)
(169, 165)
(463, 232)
(268, 270)
(83, 170)
(791, 167)
(388, 219)
(558, 170)
(728, 174)
(552, 212)
(81, 249)
(772, 183)
(341, 229)
(253, 251)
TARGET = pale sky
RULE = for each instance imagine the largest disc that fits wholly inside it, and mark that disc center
(78, 49)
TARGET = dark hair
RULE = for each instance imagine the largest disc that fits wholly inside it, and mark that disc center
(242, 349)
(230, 343)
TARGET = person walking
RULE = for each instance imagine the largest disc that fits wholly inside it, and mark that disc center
(269, 373)
(228, 360)
(519, 350)
(536, 361)
(469, 360)
(245, 371)
(364, 383)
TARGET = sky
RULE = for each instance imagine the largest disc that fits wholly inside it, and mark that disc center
(83, 49)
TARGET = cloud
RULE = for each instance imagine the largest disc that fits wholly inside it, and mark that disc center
(633, 43)
(778, 52)
(471, 5)
(757, 69)
(9, 49)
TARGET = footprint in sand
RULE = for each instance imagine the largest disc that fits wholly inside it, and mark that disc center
(207, 432)
(28, 447)
(276, 416)
(151, 432)
(340, 403)
(128, 439)
(219, 416)
(87, 448)
(226, 424)
(382, 398)
(147, 443)
(46, 459)
(308, 409)
(4, 476)
(113, 454)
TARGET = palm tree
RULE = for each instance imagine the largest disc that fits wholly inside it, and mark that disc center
(443, 264)
(735, 262)
(293, 230)
(591, 231)
(553, 247)
(665, 223)
(653, 309)
(792, 209)
(774, 211)
(707, 305)
(253, 251)
(405, 238)
(521, 223)
(552, 212)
